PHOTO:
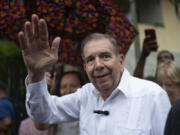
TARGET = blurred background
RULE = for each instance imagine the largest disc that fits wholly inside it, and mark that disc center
(161, 15)
(164, 17)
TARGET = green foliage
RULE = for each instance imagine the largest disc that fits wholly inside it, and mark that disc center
(8, 48)
(13, 73)
(12, 69)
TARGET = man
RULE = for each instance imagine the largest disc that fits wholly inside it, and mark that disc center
(115, 103)
(7, 113)
(164, 55)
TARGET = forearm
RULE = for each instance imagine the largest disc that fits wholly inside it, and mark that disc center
(139, 70)
(36, 100)
(45, 108)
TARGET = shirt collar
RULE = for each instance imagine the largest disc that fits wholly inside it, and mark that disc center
(123, 84)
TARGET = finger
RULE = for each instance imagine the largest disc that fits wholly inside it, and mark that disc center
(55, 45)
(149, 42)
(28, 31)
(47, 74)
(151, 47)
(152, 42)
(35, 26)
(22, 40)
(54, 75)
(43, 30)
(149, 38)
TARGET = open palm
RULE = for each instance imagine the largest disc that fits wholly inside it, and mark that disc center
(38, 55)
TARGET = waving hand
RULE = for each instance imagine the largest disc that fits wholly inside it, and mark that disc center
(37, 53)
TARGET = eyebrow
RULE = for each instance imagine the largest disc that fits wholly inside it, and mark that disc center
(104, 53)
(101, 53)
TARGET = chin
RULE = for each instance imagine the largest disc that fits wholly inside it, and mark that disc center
(105, 87)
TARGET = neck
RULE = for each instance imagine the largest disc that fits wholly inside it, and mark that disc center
(105, 96)
(106, 93)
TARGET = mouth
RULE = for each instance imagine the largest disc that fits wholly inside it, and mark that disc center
(101, 76)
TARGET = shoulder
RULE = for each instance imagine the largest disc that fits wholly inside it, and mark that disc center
(86, 93)
(25, 123)
(87, 88)
(5, 100)
(145, 87)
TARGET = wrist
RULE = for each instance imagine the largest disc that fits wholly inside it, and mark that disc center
(35, 77)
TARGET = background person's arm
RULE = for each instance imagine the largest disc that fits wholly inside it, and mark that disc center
(149, 46)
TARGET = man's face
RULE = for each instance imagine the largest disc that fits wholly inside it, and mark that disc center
(104, 68)
(164, 56)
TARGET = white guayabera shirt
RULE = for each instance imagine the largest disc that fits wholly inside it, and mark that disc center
(136, 107)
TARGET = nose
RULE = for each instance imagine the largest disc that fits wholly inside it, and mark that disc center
(98, 65)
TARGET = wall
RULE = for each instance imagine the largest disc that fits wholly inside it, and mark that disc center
(168, 39)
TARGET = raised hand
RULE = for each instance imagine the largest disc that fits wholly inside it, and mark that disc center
(37, 53)
(50, 81)
(149, 45)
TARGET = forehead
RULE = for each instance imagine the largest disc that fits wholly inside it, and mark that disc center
(164, 54)
(69, 77)
(97, 46)
(164, 79)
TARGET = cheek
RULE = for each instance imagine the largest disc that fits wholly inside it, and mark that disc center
(62, 91)
(89, 72)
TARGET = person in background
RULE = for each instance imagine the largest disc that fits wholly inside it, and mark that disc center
(28, 127)
(164, 55)
(7, 113)
(150, 45)
(113, 103)
(68, 82)
(168, 77)
(50, 80)
(173, 120)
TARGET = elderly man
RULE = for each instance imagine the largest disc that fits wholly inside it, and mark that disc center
(114, 103)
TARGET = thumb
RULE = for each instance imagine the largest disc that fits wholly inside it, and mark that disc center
(55, 45)
(54, 75)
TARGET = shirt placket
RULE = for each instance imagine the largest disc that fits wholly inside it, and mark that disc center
(101, 119)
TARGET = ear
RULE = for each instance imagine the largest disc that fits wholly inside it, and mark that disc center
(84, 65)
(121, 59)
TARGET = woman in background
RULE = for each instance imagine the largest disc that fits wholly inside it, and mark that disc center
(168, 76)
